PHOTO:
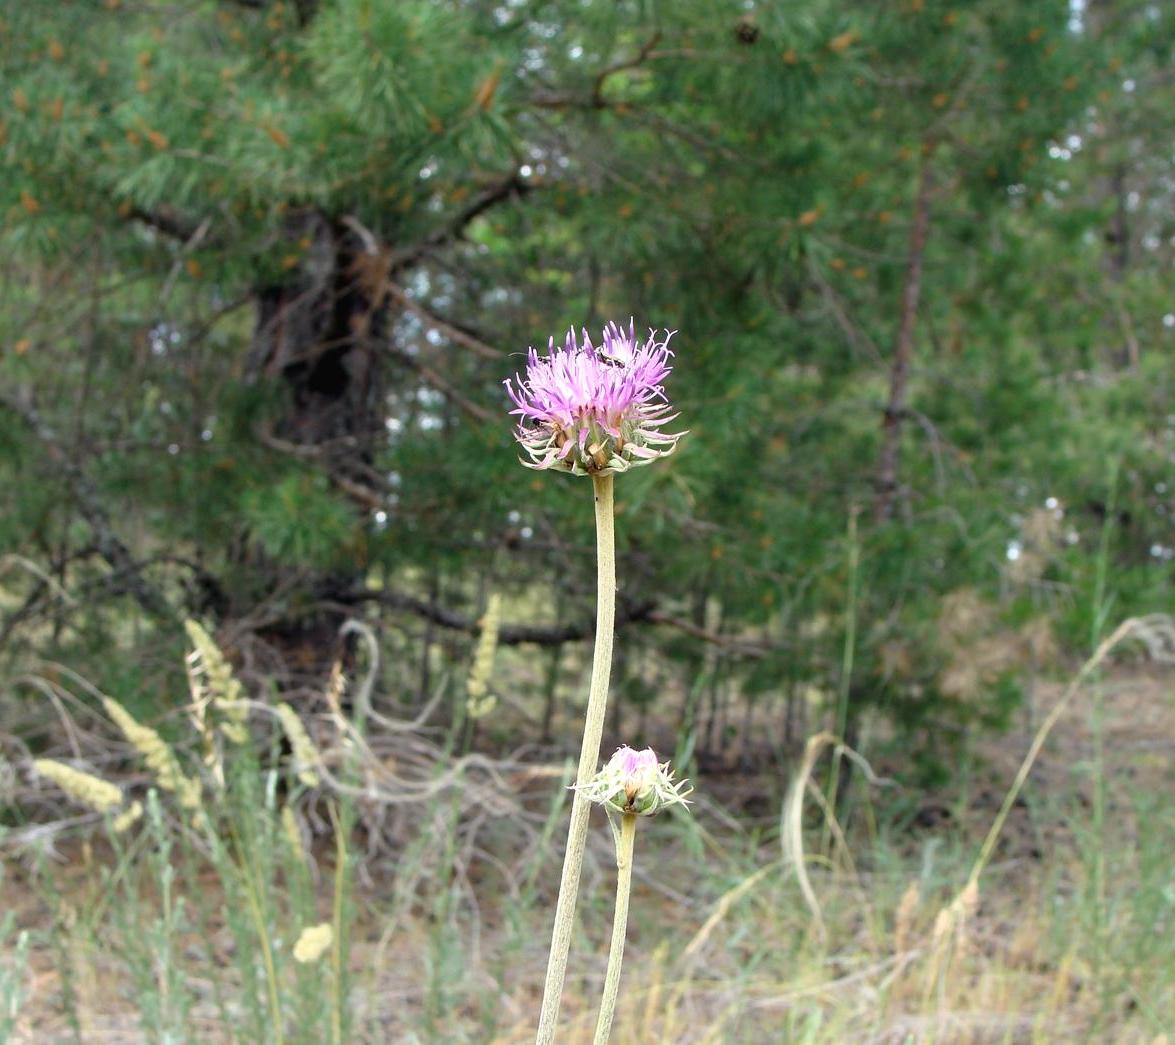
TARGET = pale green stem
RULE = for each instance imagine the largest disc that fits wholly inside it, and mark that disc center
(337, 1000)
(589, 756)
(252, 893)
(624, 846)
(846, 677)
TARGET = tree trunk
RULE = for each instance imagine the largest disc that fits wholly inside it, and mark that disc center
(887, 465)
(319, 334)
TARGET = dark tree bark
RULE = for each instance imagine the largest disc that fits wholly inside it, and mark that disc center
(887, 465)
(322, 333)
(125, 571)
(319, 331)
(1118, 234)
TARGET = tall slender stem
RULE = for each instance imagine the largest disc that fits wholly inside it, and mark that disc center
(846, 677)
(624, 848)
(589, 756)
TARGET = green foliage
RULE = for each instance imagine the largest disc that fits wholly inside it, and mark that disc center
(300, 520)
(12, 973)
(200, 212)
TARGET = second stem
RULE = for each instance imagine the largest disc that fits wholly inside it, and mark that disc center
(625, 842)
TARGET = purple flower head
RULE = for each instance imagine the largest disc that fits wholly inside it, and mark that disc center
(633, 764)
(595, 410)
(635, 782)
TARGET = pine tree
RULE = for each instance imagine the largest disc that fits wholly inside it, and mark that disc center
(267, 264)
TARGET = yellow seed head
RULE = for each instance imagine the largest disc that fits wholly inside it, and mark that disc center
(210, 677)
(943, 923)
(480, 701)
(487, 646)
(904, 917)
(100, 795)
(157, 754)
(314, 942)
(304, 751)
(290, 830)
(127, 817)
(335, 688)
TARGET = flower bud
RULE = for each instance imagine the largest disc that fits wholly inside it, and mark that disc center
(635, 782)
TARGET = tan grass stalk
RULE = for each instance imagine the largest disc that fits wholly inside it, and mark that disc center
(91, 791)
(481, 702)
(305, 754)
(212, 680)
(791, 826)
(157, 754)
(693, 949)
(1157, 633)
(337, 999)
(903, 922)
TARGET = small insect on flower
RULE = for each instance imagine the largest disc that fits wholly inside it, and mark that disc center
(635, 782)
(595, 410)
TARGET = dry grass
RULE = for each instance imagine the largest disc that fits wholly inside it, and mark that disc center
(910, 945)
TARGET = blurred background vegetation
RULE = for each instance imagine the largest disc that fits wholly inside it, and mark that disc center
(266, 264)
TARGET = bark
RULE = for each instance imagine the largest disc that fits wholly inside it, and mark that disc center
(887, 465)
(320, 333)
(323, 332)
(1118, 235)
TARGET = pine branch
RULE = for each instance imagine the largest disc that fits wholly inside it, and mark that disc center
(166, 220)
(596, 99)
(645, 612)
(746, 649)
(509, 188)
(447, 388)
(461, 336)
(443, 326)
(508, 634)
(85, 495)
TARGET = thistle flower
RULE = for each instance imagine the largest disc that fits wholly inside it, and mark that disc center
(595, 410)
(635, 782)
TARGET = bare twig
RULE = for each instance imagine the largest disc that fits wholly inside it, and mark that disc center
(506, 189)
(85, 494)
(887, 465)
(442, 326)
(508, 635)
